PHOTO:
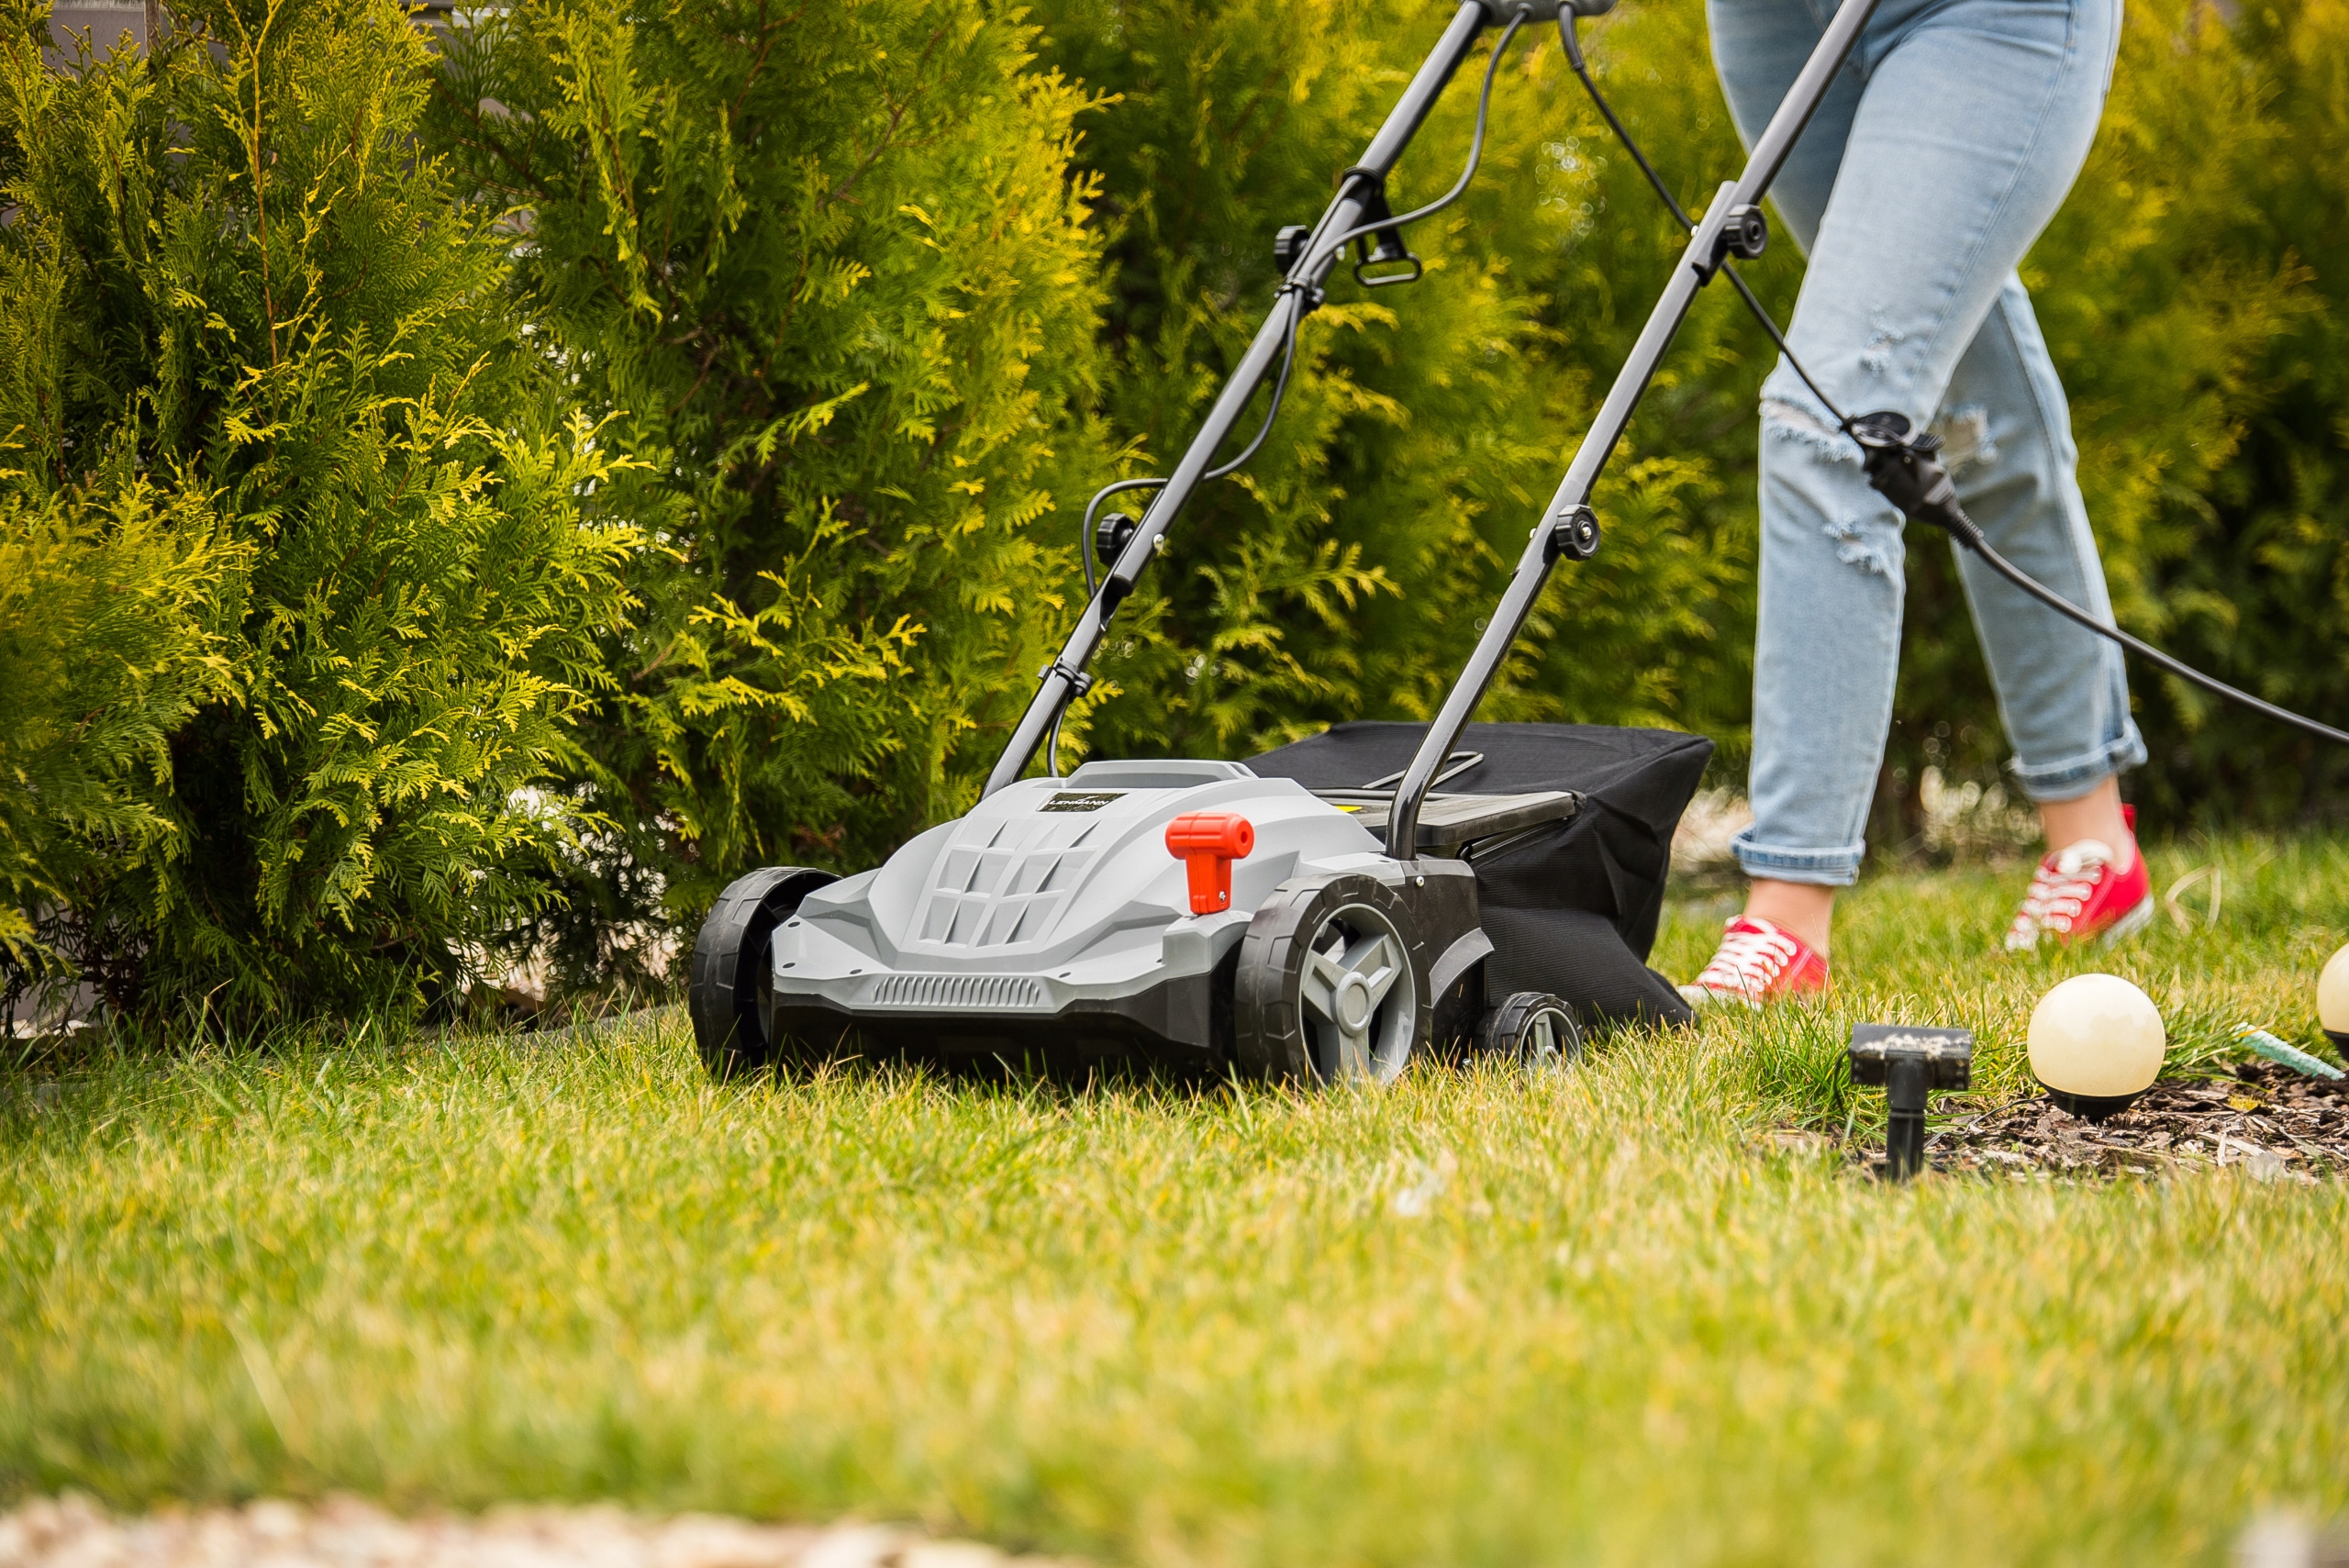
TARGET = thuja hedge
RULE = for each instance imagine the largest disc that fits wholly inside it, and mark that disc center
(484, 495)
(297, 593)
(829, 273)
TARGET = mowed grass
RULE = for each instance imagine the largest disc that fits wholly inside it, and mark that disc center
(1470, 1319)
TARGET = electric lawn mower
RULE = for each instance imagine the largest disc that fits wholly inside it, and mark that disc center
(1328, 909)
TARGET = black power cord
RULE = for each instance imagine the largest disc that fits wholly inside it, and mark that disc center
(1293, 299)
(1085, 538)
(1573, 46)
(1475, 144)
(1903, 466)
(1298, 305)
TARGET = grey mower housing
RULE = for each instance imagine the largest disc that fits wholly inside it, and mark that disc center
(1052, 923)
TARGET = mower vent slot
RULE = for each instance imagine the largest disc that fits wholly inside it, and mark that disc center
(958, 993)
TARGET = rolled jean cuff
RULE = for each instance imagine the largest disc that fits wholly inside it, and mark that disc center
(1837, 867)
(2075, 776)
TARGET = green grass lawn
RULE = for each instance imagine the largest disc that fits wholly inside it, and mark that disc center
(1468, 1319)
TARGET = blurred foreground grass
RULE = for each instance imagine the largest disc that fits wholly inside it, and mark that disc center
(1471, 1319)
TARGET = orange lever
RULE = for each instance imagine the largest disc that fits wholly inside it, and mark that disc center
(1207, 843)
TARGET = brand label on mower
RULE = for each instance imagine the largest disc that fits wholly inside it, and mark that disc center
(1082, 800)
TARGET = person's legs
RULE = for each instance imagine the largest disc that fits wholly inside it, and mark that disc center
(1974, 121)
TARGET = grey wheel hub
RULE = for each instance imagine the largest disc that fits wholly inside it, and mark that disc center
(1358, 997)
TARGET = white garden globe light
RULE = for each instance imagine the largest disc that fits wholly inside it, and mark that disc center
(2332, 998)
(2096, 1043)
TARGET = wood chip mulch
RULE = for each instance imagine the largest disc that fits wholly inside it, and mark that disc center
(2274, 1123)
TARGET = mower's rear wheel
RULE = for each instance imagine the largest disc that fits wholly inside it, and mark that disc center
(1533, 1032)
(1329, 986)
(730, 976)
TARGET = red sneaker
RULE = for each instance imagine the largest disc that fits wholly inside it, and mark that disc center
(1758, 960)
(2075, 895)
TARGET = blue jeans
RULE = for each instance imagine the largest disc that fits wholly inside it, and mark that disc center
(1943, 148)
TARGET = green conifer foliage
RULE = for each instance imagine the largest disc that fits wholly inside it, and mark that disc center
(108, 645)
(826, 268)
(309, 596)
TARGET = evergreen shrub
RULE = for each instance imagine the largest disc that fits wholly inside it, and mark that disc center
(303, 596)
(828, 272)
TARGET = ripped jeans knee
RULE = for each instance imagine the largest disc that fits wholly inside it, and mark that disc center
(1868, 544)
(1811, 463)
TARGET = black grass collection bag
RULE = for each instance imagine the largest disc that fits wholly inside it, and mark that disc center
(1571, 907)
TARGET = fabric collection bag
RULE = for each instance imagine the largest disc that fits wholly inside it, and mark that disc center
(1571, 907)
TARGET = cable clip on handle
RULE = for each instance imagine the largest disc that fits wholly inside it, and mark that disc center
(1079, 682)
(1390, 250)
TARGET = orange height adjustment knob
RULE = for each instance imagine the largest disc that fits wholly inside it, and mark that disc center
(1207, 843)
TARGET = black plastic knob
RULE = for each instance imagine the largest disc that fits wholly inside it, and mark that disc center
(1574, 535)
(1747, 232)
(1110, 536)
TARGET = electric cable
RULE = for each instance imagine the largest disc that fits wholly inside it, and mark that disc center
(1761, 314)
(1475, 148)
(1962, 530)
(1971, 538)
(1295, 298)
(1573, 58)
(1084, 538)
(1679, 216)
(1297, 306)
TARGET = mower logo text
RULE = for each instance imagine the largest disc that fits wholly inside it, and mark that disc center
(1074, 800)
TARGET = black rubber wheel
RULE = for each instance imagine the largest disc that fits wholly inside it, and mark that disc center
(1330, 984)
(1533, 1030)
(730, 958)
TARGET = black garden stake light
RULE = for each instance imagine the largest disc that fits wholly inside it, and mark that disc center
(1909, 1063)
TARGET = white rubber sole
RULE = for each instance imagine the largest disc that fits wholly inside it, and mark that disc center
(2120, 931)
(1705, 996)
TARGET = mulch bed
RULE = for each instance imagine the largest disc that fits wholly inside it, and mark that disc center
(2278, 1125)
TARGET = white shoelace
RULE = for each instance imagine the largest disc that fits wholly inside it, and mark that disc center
(1748, 963)
(2060, 889)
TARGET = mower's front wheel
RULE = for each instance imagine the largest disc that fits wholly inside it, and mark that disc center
(1329, 985)
(730, 958)
(1533, 1031)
